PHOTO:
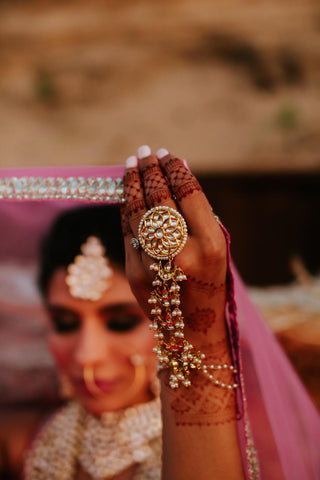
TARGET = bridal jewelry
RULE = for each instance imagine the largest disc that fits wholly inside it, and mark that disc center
(89, 380)
(140, 373)
(162, 235)
(66, 389)
(89, 275)
(102, 446)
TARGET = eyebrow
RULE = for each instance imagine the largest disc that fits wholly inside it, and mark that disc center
(117, 307)
(61, 308)
(113, 308)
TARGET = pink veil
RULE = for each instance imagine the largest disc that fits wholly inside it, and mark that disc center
(278, 425)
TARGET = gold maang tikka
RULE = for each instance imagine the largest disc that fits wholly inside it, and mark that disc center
(90, 273)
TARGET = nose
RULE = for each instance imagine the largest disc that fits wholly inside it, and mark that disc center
(93, 346)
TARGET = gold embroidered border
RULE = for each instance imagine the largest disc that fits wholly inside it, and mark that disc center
(252, 454)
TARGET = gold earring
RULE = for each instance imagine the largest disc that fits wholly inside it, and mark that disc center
(140, 372)
(155, 385)
(66, 389)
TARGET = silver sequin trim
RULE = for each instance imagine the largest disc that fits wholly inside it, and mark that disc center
(71, 188)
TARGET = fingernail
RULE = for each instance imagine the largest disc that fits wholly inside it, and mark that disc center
(144, 151)
(162, 152)
(132, 161)
(186, 164)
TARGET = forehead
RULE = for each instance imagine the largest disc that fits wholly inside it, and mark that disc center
(118, 292)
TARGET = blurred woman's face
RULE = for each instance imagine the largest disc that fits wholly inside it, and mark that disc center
(104, 335)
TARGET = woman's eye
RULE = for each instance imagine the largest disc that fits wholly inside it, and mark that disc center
(123, 322)
(65, 323)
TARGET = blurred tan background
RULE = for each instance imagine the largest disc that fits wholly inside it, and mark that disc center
(232, 86)
(226, 84)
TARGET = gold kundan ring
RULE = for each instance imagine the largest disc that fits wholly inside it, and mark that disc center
(162, 232)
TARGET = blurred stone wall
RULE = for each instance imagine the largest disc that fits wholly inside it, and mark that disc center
(229, 85)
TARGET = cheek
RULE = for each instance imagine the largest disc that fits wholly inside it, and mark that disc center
(61, 348)
(142, 340)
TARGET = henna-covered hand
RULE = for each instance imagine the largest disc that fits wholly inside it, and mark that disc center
(152, 181)
(203, 414)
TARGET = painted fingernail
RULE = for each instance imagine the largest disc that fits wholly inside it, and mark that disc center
(186, 164)
(162, 152)
(132, 161)
(144, 151)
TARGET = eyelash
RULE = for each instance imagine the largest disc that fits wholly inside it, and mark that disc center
(120, 323)
(64, 326)
(123, 323)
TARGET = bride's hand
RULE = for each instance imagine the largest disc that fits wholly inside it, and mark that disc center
(163, 179)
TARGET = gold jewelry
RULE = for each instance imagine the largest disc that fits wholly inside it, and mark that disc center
(90, 273)
(163, 234)
(102, 446)
(140, 373)
(88, 377)
(66, 387)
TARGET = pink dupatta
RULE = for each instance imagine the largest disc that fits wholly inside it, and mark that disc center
(278, 425)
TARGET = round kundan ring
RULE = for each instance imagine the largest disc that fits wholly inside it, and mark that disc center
(162, 232)
(134, 242)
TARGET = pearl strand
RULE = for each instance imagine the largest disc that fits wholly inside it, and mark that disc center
(176, 353)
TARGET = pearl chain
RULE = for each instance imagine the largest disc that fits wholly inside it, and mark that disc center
(177, 354)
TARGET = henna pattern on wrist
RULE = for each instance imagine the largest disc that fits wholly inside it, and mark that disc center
(201, 320)
(209, 288)
(204, 404)
(182, 181)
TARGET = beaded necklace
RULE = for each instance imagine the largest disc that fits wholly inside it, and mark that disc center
(101, 446)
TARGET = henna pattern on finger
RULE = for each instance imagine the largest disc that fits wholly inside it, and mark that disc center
(133, 192)
(201, 320)
(182, 181)
(204, 404)
(155, 185)
(209, 288)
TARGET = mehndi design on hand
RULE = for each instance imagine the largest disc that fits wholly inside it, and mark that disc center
(203, 405)
(156, 188)
(201, 320)
(182, 181)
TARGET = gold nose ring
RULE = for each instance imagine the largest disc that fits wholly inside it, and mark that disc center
(89, 380)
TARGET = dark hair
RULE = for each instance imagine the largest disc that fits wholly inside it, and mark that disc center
(71, 229)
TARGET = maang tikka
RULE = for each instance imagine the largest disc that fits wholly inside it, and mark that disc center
(90, 273)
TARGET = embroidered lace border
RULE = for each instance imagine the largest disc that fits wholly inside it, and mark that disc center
(75, 188)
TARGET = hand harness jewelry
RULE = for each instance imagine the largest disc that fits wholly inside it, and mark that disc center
(162, 235)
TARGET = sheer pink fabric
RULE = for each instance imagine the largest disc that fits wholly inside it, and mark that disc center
(279, 427)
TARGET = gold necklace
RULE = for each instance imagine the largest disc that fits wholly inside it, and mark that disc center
(102, 446)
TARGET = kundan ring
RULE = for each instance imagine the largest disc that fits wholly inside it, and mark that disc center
(162, 232)
(134, 242)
